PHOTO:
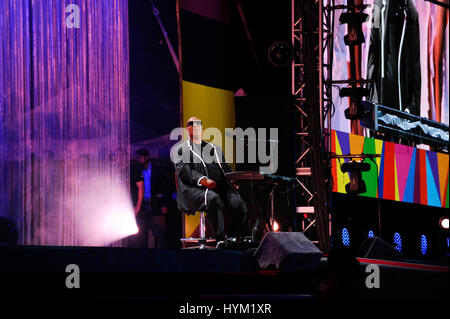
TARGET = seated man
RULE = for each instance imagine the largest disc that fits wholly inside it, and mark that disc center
(202, 184)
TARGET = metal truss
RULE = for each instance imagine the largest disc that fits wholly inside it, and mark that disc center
(303, 162)
(326, 40)
(312, 37)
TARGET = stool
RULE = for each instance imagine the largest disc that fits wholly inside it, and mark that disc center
(202, 240)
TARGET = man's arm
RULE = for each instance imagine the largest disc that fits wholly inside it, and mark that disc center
(164, 187)
(183, 167)
(191, 177)
(373, 70)
(414, 47)
(140, 186)
(188, 175)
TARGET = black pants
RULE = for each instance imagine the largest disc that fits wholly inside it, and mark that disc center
(157, 231)
(152, 229)
(232, 203)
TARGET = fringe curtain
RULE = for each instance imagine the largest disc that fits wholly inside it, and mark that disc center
(64, 111)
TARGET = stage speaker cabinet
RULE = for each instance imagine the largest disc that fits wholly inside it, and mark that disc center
(376, 248)
(287, 251)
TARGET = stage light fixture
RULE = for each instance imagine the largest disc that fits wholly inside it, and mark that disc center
(398, 242)
(275, 226)
(280, 54)
(443, 223)
(356, 110)
(356, 185)
(345, 237)
(370, 234)
(423, 244)
(354, 21)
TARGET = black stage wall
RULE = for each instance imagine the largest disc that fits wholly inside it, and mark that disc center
(360, 214)
(270, 112)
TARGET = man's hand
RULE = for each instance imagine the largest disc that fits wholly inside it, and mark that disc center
(209, 183)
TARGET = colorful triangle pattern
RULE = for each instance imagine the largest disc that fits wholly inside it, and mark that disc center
(402, 173)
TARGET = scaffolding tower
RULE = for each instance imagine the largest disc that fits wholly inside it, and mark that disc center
(312, 43)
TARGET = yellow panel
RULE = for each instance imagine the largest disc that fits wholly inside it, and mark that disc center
(342, 178)
(191, 222)
(215, 107)
(378, 150)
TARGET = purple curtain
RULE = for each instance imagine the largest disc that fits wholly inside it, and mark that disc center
(64, 114)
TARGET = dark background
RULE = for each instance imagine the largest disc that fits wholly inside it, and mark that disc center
(154, 111)
(154, 81)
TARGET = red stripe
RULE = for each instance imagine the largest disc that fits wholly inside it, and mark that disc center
(389, 171)
(445, 204)
(403, 264)
(269, 272)
(380, 262)
(334, 161)
(423, 177)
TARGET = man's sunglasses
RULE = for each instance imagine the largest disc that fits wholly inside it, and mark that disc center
(191, 123)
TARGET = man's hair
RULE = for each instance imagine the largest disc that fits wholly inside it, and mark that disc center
(143, 152)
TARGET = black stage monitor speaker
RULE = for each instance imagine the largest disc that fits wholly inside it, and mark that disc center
(376, 248)
(287, 251)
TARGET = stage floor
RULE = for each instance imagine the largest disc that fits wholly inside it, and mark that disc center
(125, 273)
